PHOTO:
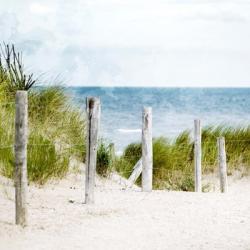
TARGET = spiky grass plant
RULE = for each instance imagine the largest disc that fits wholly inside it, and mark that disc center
(12, 70)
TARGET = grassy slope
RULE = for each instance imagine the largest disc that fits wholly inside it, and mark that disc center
(173, 160)
(56, 133)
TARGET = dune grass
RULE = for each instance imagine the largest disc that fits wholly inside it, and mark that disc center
(173, 161)
(56, 128)
(56, 133)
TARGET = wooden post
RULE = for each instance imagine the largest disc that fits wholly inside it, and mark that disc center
(21, 129)
(222, 164)
(93, 121)
(112, 153)
(197, 155)
(147, 154)
(135, 174)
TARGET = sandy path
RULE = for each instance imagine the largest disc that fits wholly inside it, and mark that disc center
(127, 219)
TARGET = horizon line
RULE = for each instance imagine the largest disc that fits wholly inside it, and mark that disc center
(147, 86)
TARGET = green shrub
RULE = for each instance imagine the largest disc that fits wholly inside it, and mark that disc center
(132, 153)
(104, 159)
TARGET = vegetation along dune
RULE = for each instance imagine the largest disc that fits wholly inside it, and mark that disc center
(172, 216)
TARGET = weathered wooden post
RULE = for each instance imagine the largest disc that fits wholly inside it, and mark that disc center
(93, 121)
(112, 152)
(222, 164)
(21, 133)
(147, 154)
(197, 155)
(135, 174)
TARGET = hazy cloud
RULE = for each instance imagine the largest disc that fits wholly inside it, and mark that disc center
(133, 42)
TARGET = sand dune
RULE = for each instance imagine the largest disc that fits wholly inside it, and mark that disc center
(126, 219)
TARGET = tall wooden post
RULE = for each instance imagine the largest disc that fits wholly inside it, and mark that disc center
(197, 155)
(93, 121)
(147, 154)
(21, 130)
(222, 164)
(112, 153)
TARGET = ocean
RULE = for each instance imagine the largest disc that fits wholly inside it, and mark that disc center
(174, 109)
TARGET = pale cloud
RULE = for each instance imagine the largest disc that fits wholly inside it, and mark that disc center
(133, 42)
(8, 26)
(39, 8)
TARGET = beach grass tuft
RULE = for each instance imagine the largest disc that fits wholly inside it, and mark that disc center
(56, 133)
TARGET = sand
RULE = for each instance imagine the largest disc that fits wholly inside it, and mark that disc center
(126, 219)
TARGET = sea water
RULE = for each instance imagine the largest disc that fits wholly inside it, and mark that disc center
(174, 109)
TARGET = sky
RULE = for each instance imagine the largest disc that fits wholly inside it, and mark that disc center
(180, 43)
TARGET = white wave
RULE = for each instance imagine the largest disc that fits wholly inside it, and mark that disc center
(129, 131)
(118, 153)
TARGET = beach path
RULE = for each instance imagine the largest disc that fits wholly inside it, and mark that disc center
(126, 219)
